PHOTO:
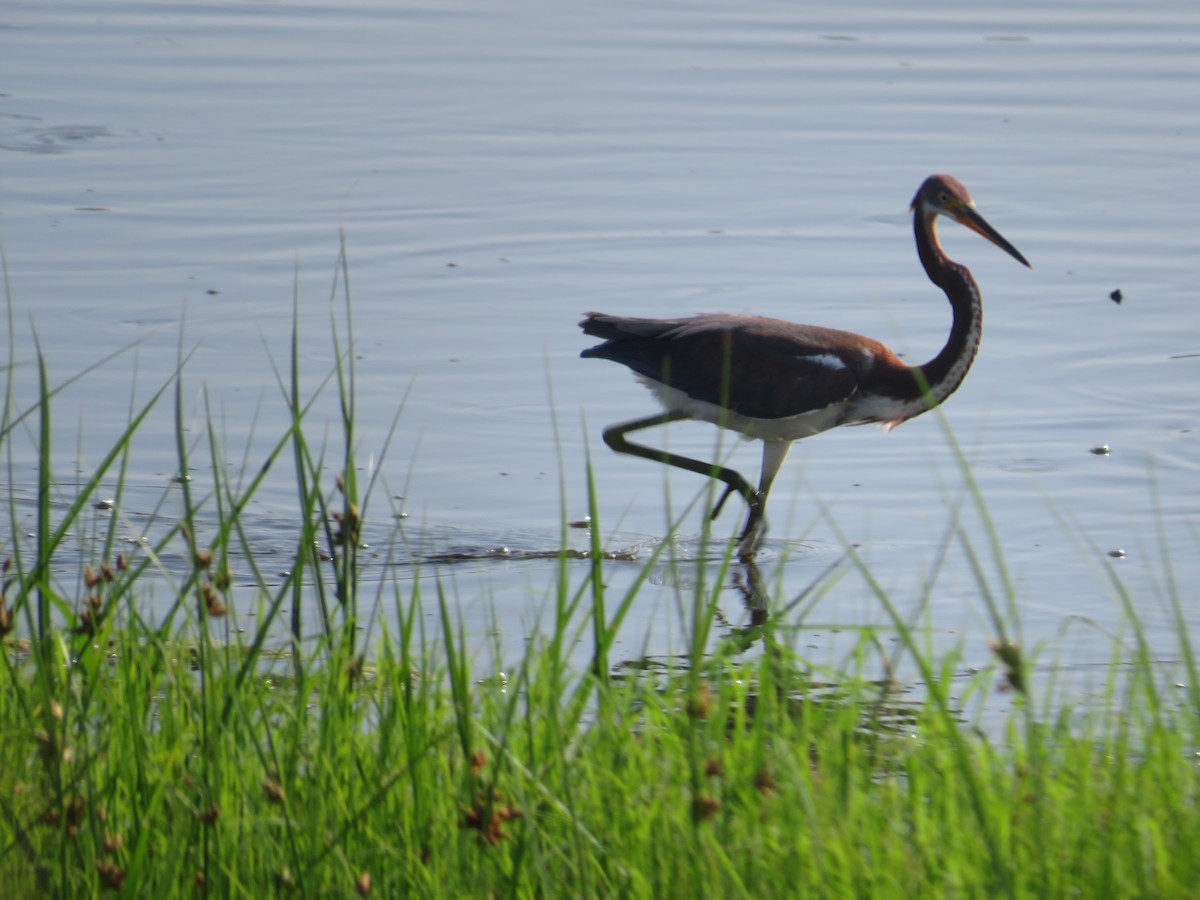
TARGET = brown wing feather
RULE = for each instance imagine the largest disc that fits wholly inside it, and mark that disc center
(758, 367)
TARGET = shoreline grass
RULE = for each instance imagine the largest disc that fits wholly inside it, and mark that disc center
(179, 757)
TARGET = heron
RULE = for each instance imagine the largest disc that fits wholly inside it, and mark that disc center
(778, 381)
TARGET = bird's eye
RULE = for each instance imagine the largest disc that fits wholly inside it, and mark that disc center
(943, 198)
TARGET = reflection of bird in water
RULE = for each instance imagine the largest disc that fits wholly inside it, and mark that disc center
(779, 381)
(749, 582)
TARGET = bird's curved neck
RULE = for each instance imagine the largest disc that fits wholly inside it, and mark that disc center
(938, 378)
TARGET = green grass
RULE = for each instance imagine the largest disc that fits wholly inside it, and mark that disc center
(179, 757)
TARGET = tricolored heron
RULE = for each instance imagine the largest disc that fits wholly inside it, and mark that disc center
(779, 381)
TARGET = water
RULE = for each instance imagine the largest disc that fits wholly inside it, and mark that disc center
(179, 174)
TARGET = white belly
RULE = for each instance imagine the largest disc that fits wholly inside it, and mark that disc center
(789, 428)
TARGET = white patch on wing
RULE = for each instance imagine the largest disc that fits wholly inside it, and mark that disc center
(828, 360)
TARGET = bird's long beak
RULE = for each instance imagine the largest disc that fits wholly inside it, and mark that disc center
(968, 217)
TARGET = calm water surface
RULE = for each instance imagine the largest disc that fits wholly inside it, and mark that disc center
(180, 174)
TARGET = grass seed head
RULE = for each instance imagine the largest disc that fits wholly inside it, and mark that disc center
(90, 617)
(6, 622)
(705, 807)
(478, 761)
(111, 874)
(47, 744)
(274, 791)
(349, 527)
(700, 704)
(766, 783)
(489, 826)
(1009, 654)
(213, 604)
(209, 815)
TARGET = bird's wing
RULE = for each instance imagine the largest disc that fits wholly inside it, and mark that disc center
(758, 367)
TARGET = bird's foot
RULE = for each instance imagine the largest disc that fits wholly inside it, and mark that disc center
(748, 547)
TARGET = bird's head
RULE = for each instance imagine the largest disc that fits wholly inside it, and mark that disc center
(947, 196)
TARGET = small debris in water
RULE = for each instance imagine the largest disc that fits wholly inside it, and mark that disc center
(585, 522)
(1102, 450)
(180, 479)
(509, 553)
(1116, 296)
(1117, 554)
(212, 292)
(105, 504)
(401, 515)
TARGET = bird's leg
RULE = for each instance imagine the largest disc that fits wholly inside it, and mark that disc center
(721, 502)
(774, 453)
(614, 436)
(756, 597)
(755, 531)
